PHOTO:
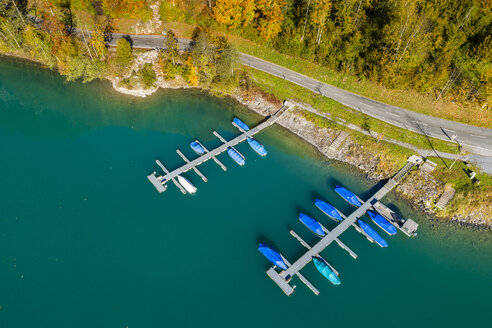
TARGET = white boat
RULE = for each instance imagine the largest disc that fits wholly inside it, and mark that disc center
(187, 184)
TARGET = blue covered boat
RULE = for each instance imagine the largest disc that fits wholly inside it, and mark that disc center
(382, 223)
(328, 209)
(197, 147)
(272, 255)
(348, 196)
(240, 124)
(326, 271)
(312, 224)
(236, 156)
(373, 234)
(257, 147)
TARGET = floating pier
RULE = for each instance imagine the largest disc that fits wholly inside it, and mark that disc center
(160, 181)
(283, 278)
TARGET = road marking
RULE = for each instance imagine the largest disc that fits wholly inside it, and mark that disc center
(394, 114)
(474, 135)
(449, 130)
(417, 122)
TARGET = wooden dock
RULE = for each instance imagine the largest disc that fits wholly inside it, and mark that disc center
(160, 180)
(282, 279)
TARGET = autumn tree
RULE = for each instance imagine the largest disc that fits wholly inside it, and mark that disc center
(234, 13)
(269, 17)
(319, 13)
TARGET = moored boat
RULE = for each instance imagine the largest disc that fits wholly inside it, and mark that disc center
(272, 255)
(373, 234)
(349, 196)
(381, 222)
(197, 147)
(326, 271)
(312, 224)
(189, 187)
(328, 209)
(240, 124)
(236, 156)
(257, 147)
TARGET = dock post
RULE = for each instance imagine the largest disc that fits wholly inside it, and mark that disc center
(225, 142)
(200, 174)
(216, 160)
(180, 187)
(303, 243)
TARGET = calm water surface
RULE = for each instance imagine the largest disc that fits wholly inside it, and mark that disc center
(86, 241)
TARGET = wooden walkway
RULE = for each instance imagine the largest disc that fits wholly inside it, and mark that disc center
(160, 181)
(282, 279)
(445, 197)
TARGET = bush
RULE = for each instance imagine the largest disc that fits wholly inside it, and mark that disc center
(147, 75)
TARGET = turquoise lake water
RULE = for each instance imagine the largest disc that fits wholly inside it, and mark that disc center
(86, 241)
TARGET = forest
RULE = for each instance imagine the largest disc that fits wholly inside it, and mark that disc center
(437, 47)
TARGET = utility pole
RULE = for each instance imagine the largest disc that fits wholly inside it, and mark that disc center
(454, 137)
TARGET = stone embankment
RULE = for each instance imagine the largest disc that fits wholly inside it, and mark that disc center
(421, 188)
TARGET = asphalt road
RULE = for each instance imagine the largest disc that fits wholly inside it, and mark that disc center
(475, 140)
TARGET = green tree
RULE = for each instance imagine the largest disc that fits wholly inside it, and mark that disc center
(227, 63)
(124, 55)
(147, 75)
(171, 46)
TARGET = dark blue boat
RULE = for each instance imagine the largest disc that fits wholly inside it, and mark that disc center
(272, 255)
(240, 124)
(236, 156)
(197, 148)
(328, 209)
(373, 234)
(382, 223)
(257, 147)
(348, 196)
(312, 224)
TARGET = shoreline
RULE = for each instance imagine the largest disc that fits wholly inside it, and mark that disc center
(420, 189)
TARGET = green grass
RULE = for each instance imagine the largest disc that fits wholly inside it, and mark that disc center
(469, 196)
(283, 89)
(408, 99)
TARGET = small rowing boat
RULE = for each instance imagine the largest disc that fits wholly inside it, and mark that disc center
(328, 209)
(312, 224)
(373, 234)
(349, 196)
(272, 255)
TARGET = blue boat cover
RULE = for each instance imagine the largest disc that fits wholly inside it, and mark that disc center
(235, 156)
(272, 255)
(382, 222)
(312, 224)
(257, 147)
(326, 271)
(241, 124)
(348, 196)
(328, 209)
(372, 233)
(197, 148)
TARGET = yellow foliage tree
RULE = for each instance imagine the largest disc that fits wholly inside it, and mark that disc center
(228, 12)
(234, 13)
(321, 10)
(98, 43)
(270, 17)
(193, 79)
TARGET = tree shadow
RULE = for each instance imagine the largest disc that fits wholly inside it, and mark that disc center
(420, 128)
(129, 39)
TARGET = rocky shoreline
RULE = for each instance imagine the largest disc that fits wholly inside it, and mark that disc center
(420, 188)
